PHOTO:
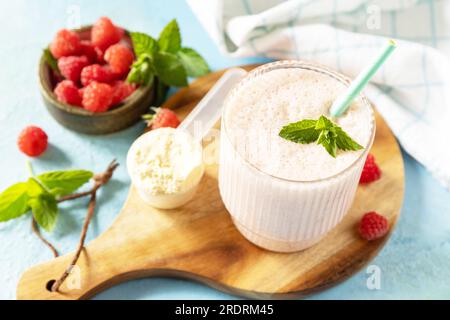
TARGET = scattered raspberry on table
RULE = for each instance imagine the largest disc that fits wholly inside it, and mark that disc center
(371, 172)
(162, 118)
(373, 226)
(33, 141)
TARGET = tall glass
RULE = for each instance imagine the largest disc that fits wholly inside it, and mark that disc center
(279, 214)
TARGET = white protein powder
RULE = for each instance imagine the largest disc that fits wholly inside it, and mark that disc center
(165, 161)
(261, 106)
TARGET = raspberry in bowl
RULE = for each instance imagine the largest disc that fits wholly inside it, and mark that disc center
(90, 94)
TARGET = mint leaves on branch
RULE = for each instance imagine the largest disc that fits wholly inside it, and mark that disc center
(40, 195)
(165, 59)
(322, 131)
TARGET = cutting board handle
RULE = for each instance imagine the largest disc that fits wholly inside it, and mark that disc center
(115, 256)
(96, 269)
(37, 281)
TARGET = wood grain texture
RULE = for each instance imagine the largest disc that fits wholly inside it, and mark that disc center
(199, 241)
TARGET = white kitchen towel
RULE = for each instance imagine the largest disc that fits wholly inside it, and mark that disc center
(412, 89)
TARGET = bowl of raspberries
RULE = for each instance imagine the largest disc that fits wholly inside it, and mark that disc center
(83, 79)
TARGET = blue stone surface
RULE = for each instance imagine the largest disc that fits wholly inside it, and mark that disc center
(414, 264)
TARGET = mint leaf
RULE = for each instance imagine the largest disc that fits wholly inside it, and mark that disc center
(324, 123)
(45, 210)
(170, 38)
(300, 132)
(61, 183)
(330, 145)
(193, 62)
(14, 201)
(142, 71)
(170, 70)
(51, 61)
(323, 136)
(134, 76)
(35, 189)
(327, 139)
(164, 59)
(322, 131)
(344, 142)
(143, 43)
(147, 77)
(43, 204)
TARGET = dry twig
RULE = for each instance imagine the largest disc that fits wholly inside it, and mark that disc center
(99, 180)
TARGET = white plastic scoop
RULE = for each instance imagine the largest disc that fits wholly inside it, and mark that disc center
(208, 111)
(166, 165)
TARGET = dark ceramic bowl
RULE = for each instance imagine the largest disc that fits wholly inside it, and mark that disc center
(78, 119)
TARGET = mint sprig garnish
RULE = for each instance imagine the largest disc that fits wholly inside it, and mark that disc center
(164, 58)
(322, 131)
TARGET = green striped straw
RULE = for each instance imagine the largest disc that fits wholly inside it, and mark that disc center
(341, 104)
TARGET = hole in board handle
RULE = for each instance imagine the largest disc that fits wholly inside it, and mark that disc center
(49, 285)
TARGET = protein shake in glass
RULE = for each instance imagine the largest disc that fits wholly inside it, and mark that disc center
(282, 195)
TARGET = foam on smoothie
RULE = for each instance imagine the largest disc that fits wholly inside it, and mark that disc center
(258, 109)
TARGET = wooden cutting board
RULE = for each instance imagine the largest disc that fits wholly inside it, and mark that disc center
(199, 241)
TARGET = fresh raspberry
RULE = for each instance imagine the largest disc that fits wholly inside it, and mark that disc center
(100, 55)
(95, 72)
(33, 141)
(104, 33)
(88, 50)
(81, 92)
(66, 91)
(371, 172)
(121, 91)
(70, 67)
(120, 31)
(373, 226)
(97, 97)
(66, 43)
(120, 58)
(162, 118)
